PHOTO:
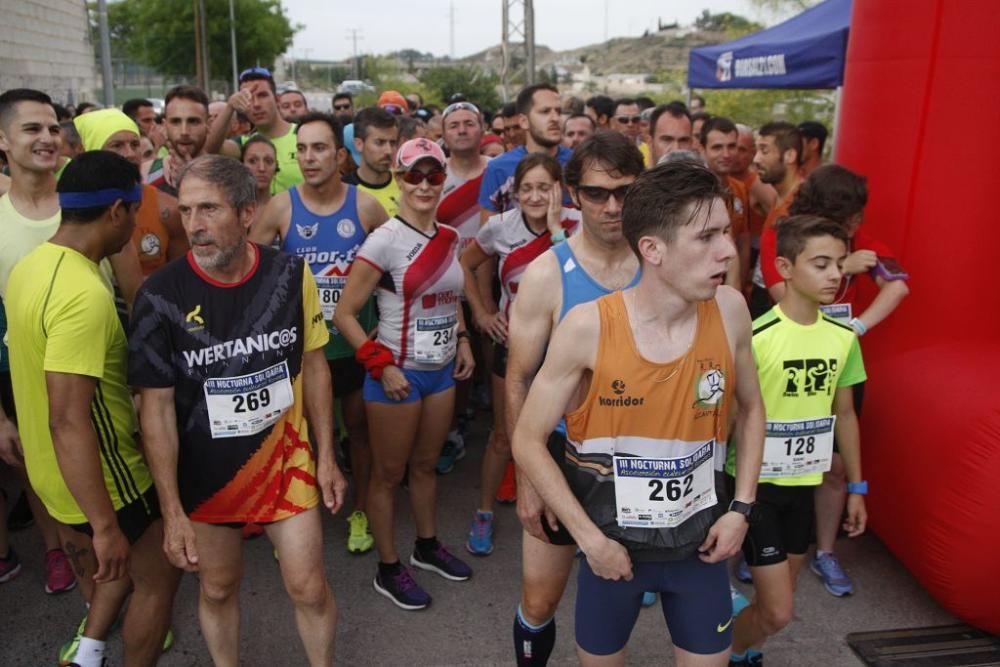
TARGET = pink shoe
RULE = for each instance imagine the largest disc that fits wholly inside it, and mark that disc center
(59, 576)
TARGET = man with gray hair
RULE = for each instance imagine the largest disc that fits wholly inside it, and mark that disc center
(226, 349)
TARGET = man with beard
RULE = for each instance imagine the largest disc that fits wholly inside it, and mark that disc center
(226, 351)
(186, 113)
(343, 108)
(257, 99)
(376, 135)
(540, 114)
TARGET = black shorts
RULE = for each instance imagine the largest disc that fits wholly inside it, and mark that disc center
(782, 525)
(560, 536)
(133, 519)
(7, 396)
(499, 360)
(348, 376)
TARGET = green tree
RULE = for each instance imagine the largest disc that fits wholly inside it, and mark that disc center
(726, 22)
(478, 86)
(160, 34)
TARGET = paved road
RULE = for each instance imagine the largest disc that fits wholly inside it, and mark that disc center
(469, 623)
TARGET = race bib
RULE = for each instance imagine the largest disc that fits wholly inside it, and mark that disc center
(838, 311)
(663, 493)
(796, 448)
(435, 339)
(330, 289)
(248, 404)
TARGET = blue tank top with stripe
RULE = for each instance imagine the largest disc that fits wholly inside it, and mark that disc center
(578, 287)
(328, 244)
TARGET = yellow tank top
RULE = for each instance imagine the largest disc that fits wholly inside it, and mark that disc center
(652, 417)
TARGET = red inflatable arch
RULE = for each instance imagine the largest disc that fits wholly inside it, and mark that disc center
(920, 117)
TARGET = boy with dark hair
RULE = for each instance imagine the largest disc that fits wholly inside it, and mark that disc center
(807, 364)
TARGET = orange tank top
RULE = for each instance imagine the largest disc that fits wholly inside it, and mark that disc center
(150, 235)
(651, 413)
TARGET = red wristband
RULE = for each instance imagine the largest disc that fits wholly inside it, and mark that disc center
(374, 357)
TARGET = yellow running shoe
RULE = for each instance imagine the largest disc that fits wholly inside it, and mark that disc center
(360, 540)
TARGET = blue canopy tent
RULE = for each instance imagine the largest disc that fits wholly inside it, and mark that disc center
(806, 51)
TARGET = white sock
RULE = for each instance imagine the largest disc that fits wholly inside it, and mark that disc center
(90, 653)
(820, 553)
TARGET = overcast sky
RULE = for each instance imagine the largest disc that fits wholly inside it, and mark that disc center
(390, 25)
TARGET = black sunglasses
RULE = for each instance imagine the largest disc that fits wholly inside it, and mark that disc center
(341, 107)
(625, 120)
(598, 195)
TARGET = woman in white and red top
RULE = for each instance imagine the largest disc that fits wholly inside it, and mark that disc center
(421, 349)
(516, 237)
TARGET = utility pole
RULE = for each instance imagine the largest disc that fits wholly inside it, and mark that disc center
(198, 64)
(102, 22)
(232, 41)
(353, 35)
(451, 24)
(518, 57)
(206, 68)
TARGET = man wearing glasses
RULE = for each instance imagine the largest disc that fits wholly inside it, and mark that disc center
(539, 112)
(257, 99)
(628, 121)
(343, 108)
(595, 262)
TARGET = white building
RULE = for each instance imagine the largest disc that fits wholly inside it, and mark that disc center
(46, 45)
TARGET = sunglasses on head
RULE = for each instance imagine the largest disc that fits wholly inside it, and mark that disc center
(598, 195)
(255, 71)
(415, 177)
(460, 106)
(625, 120)
(394, 109)
(341, 107)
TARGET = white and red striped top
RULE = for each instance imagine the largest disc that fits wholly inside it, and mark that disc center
(419, 292)
(509, 237)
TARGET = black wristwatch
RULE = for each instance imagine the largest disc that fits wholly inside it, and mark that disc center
(463, 334)
(746, 509)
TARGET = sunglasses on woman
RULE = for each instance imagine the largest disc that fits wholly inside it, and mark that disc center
(415, 177)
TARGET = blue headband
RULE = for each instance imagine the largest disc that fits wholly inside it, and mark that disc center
(98, 198)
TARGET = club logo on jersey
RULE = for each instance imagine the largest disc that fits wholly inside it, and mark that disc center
(710, 388)
(429, 301)
(413, 251)
(809, 377)
(620, 401)
(193, 321)
(346, 228)
(307, 231)
(149, 245)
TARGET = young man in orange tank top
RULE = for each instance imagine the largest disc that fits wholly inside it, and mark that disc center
(641, 524)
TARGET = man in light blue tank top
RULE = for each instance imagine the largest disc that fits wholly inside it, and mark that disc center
(595, 261)
(325, 221)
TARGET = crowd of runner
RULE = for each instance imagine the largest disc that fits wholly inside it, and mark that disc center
(231, 317)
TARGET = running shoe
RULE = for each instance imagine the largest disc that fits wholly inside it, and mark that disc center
(752, 659)
(507, 493)
(743, 573)
(648, 599)
(740, 601)
(10, 566)
(835, 580)
(59, 577)
(20, 516)
(442, 562)
(452, 452)
(67, 652)
(404, 592)
(360, 538)
(480, 542)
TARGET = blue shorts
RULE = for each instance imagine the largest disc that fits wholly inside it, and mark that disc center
(422, 385)
(694, 595)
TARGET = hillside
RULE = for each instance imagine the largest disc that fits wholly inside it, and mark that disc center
(665, 50)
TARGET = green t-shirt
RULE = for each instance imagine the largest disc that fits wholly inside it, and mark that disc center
(800, 368)
(289, 174)
(61, 318)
